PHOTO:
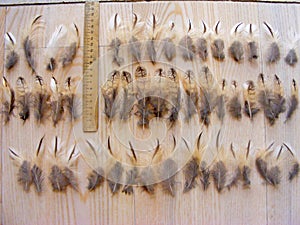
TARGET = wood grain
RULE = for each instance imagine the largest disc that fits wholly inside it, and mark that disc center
(261, 204)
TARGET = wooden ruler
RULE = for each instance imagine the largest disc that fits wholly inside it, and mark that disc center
(90, 67)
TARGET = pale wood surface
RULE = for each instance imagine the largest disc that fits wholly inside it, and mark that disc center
(261, 204)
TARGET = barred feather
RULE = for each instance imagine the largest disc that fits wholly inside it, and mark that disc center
(167, 172)
(23, 99)
(28, 42)
(12, 57)
(41, 97)
(73, 45)
(8, 100)
(57, 179)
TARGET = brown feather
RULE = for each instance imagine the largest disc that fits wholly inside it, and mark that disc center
(71, 178)
(294, 171)
(219, 172)
(41, 99)
(95, 179)
(204, 175)
(25, 176)
(191, 172)
(114, 177)
(71, 50)
(146, 180)
(236, 51)
(187, 48)
(23, 99)
(167, 172)
(217, 49)
(246, 176)
(250, 98)
(57, 179)
(169, 49)
(273, 175)
(293, 101)
(37, 178)
(130, 181)
(253, 50)
(8, 102)
(202, 48)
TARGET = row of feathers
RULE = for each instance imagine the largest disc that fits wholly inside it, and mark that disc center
(57, 102)
(168, 93)
(193, 42)
(69, 36)
(228, 169)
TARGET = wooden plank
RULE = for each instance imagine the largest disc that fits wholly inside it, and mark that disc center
(260, 204)
(2, 44)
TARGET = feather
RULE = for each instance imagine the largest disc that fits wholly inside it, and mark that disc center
(220, 102)
(71, 99)
(293, 101)
(252, 45)
(23, 99)
(73, 42)
(191, 172)
(217, 45)
(273, 51)
(187, 46)
(191, 89)
(219, 172)
(201, 45)
(168, 47)
(204, 175)
(294, 171)
(114, 177)
(173, 103)
(235, 177)
(41, 97)
(130, 181)
(110, 92)
(134, 42)
(234, 104)
(261, 166)
(37, 177)
(207, 96)
(57, 102)
(12, 56)
(291, 58)
(246, 171)
(95, 179)
(147, 180)
(236, 50)
(57, 179)
(272, 102)
(250, 98)
(153, 32)
(28, 42)
(169, 166)
(115, 39)
(273, 175)
(53, 47)
(25, 175)
(128, 97)
(8, 100)
(71, 178)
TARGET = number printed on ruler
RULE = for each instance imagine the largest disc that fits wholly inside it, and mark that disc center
(90, 67)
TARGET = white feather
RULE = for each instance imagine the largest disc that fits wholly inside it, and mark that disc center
(112, 22)
(10, 41)
(275, 36)
(58, 34)
(239, 30)
(53, 85)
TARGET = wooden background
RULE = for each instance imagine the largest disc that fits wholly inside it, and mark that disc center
(261, 204)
